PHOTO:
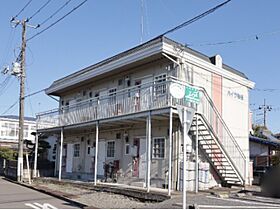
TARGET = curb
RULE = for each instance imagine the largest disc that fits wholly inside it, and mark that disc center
(56, 195)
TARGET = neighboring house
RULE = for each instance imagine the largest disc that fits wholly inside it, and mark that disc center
(9, 127)
(122, 110)
(261, 150)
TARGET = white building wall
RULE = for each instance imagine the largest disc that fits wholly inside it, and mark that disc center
(235, 112)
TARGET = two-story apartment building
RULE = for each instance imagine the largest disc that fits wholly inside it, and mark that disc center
(9, 128)
(120, 111)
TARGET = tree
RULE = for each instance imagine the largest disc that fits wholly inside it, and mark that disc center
(7, 153)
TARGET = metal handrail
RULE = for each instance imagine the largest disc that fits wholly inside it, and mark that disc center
(216, 112)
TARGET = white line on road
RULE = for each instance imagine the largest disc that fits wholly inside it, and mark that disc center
(242, 201)
(235, 207)
(32, 206)
(40, 206)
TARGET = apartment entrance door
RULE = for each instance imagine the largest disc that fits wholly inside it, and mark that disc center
(69, 158)
(142, 158)
(135, 157)
(101, 158)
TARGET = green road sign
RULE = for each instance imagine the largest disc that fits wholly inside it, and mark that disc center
(192, 94)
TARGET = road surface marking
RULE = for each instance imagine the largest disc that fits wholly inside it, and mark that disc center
(243, 201)
(40, 206)
(235, 207)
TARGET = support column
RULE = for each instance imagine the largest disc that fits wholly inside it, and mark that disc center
(96, 153)
(60, 154)
(170, 152)
(184, 158)
(35, 156)
(196, 157)
(148, 137)
(179, 137)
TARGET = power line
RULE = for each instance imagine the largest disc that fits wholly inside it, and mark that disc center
(196, 18)
(39, 10)
(14, 104)
(21, 10)
(26, 96)
(57, 11)
(57, 21)
(256, 37)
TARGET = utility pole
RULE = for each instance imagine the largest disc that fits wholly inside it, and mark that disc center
(265, 109)
(21, 74)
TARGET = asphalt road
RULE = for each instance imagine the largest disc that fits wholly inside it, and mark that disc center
(14, 196)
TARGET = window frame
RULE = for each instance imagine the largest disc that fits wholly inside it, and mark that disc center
(75, 151)
(107, 147)
(160, 87)
(125, 146)
(164, 148)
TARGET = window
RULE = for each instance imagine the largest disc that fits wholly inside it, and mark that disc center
(76, 150)
(158, 148)
(12, 130)
(112, 95)
(25, 128)
(127, 148)
(160, 85)
(111, 149)
(4, 130)
(88, 150)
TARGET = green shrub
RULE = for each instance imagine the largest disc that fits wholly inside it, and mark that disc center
(7, 153)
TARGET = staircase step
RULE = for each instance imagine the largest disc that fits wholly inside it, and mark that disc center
(219, 166)
(229, 175)
(232, 179)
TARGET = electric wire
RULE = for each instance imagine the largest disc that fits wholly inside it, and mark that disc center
(39, 10)
(196, 18)
(53, 14)
(26, 96)
(246, 39)
(30, 103)
(12, 106)
(26, 5)
(57, 21)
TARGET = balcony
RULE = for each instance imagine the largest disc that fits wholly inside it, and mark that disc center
(140, 98)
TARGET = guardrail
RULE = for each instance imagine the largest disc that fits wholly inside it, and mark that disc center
(148, 96)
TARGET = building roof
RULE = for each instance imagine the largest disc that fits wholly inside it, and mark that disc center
(264, 141)
(15, 117)
(158, 40)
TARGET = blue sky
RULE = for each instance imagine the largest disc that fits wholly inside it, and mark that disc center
(103, 28)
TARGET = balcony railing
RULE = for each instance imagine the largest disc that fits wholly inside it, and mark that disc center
(148, 96)
(144, 97)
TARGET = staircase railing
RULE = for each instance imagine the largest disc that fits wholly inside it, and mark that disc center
(221, 130)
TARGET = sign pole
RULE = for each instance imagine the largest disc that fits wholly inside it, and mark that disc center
(184, 157)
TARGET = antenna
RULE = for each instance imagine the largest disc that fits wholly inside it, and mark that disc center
(142, 21)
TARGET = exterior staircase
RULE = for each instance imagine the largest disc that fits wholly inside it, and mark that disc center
(214, 150)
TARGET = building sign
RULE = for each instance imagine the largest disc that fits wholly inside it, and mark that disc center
(192, 94)
(177, 90)
(235, 95)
